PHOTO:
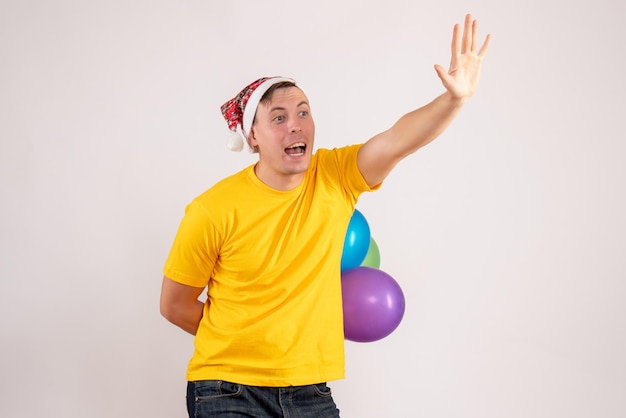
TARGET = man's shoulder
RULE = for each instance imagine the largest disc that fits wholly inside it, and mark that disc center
(227, 185)
(336, 153)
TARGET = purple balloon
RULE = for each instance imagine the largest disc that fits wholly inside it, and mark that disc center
(373, 304)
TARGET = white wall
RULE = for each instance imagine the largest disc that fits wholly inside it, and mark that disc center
(507, 234)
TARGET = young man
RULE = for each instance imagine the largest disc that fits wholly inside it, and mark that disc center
(267, 243)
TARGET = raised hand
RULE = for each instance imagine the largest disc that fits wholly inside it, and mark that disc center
(461, 79)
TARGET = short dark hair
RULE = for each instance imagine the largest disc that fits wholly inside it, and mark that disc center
(267, 96)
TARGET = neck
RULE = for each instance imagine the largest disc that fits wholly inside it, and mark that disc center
(281, 182)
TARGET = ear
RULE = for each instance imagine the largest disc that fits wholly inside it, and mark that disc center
(252, 141)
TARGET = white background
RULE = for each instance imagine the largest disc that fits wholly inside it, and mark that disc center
(507, 234)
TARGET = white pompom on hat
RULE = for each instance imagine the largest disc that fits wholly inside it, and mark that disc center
(239, 111)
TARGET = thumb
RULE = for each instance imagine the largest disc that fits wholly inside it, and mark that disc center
(446, 79)
(442, 73)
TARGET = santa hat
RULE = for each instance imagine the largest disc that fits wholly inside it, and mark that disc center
(239, 111)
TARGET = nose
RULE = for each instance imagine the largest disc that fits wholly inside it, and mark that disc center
(295, 125)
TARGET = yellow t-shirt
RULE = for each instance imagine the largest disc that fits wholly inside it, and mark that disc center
(271, 260)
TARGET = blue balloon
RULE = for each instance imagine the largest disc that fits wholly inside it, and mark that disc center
(356, 243)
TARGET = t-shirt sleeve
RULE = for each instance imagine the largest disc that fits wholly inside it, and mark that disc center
(349, 172)
(194, 251)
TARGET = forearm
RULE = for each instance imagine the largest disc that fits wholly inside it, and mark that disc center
(421, 126)
(379, 155)
(185, 316)
(180, 305)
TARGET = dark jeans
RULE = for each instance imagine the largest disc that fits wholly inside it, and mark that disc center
(216, 398)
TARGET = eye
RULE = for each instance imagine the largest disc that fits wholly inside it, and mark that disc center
(304, 113)
(279, 118)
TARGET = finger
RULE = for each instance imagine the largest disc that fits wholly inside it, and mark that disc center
(485, 47)
(474, 36)
(442, 74)
(467, 34)
(456, 40)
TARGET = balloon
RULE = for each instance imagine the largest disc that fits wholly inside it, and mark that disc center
(373, 304)
(356, 242)
(372, 258)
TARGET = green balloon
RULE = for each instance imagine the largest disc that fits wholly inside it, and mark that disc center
(372, 258)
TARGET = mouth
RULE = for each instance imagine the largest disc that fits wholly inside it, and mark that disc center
(296, 150)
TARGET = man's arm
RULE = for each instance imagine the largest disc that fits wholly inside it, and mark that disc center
(180, 305)
(378, 156)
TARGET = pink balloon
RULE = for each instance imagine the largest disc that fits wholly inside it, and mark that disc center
(373, 304)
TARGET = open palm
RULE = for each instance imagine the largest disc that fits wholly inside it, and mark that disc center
(461, 79)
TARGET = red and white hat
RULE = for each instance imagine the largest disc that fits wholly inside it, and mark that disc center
(240, 110)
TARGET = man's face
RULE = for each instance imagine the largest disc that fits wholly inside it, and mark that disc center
(283, 131)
